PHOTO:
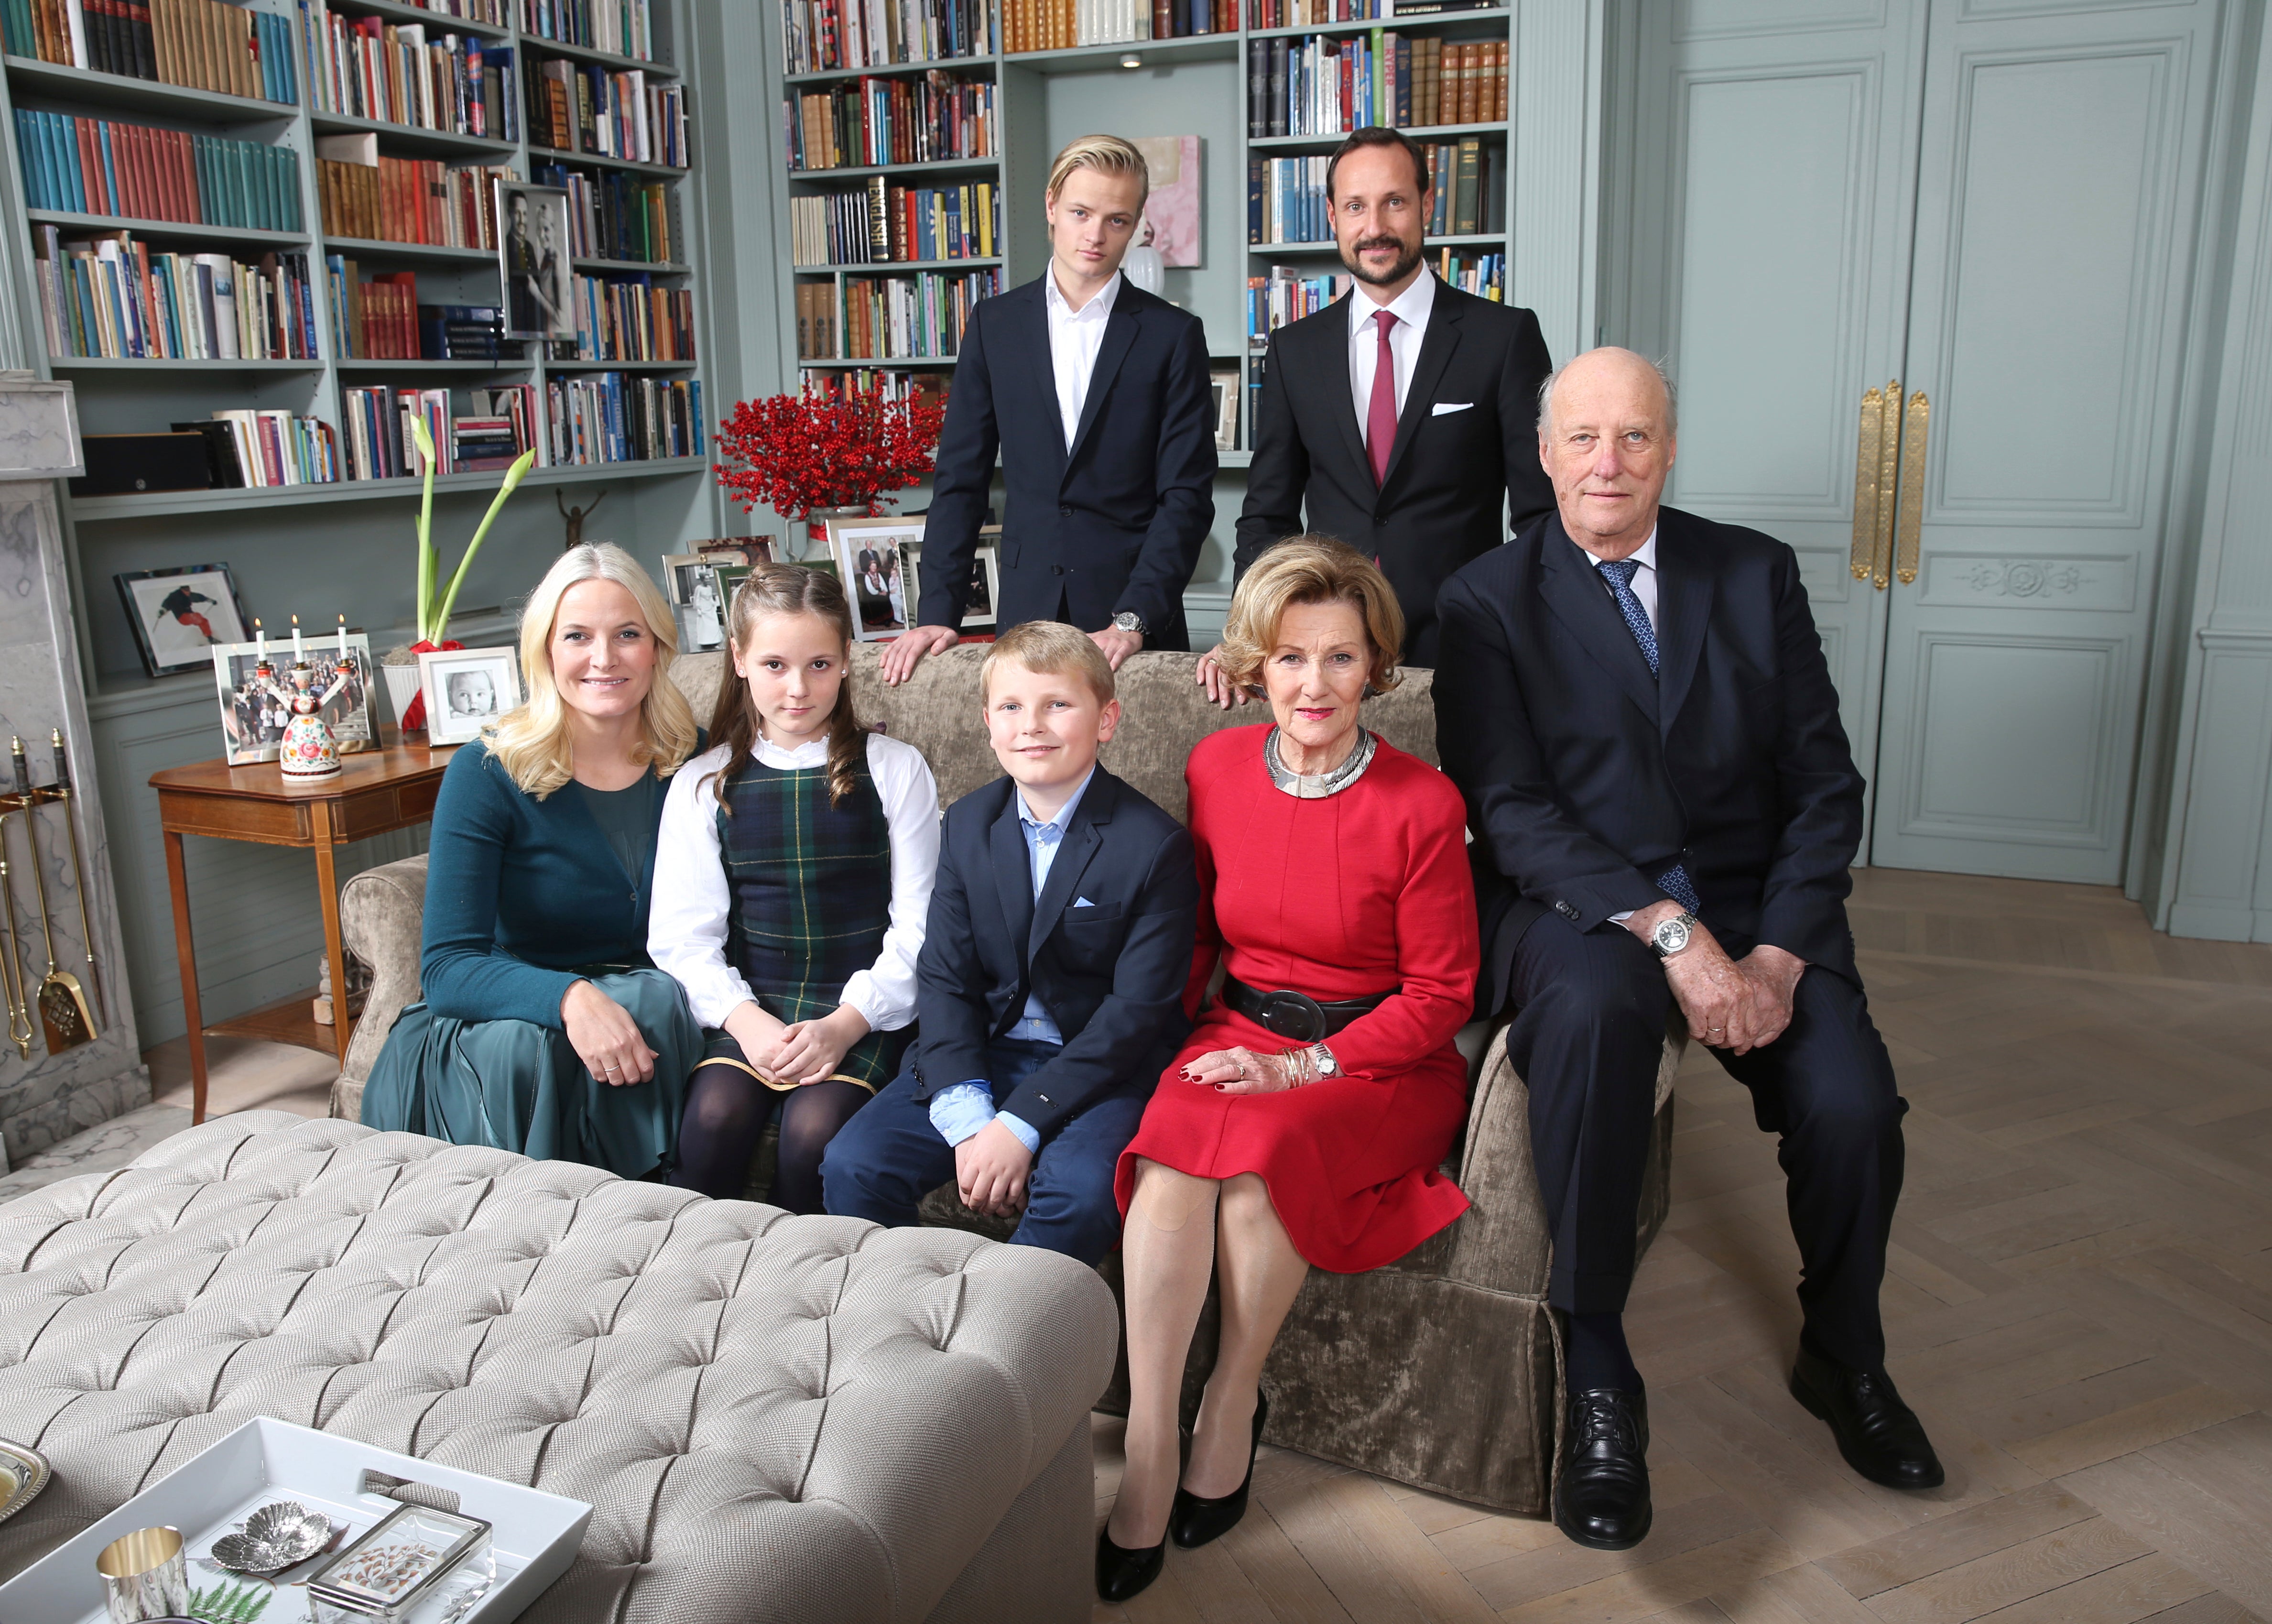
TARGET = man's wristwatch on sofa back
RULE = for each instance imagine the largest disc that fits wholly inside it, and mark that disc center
(1129, 620)
(1674, 934)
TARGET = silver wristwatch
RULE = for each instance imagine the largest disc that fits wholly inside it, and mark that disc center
(1327, 1067)
(1674, 934)
(1129, 620)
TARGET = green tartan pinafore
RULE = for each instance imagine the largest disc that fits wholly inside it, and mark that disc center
(809, 886)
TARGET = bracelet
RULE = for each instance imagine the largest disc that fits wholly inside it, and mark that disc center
(1301, 1066)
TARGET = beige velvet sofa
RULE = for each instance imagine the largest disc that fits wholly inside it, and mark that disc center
(1441, 1370)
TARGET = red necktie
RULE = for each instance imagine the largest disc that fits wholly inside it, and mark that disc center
(1380, 413)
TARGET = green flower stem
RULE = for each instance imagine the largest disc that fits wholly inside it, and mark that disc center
(429, 560)
(513, 478)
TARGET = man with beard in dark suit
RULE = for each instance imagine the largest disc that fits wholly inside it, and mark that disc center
(1635, 703)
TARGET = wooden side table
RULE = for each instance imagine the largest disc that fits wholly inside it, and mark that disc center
(376, 791)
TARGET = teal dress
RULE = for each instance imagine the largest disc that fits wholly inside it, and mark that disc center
(524, 898)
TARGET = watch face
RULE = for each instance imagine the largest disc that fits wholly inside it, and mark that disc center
(1671, 936)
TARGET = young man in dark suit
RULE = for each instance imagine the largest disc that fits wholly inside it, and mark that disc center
(1635, 703)
(1404, 418)
(1049, 992)
(1096, 395)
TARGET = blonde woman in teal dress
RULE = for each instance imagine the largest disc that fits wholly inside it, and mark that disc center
(545, 1028)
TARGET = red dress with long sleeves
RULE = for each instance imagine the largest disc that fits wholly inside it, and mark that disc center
(1342, 897)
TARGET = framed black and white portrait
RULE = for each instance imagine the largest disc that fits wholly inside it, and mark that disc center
(468, 690)
(533, 258)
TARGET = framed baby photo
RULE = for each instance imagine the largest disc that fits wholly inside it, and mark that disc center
(986, 579)
(255, 709)
(179, 614)
(867, 555)
(467, 690)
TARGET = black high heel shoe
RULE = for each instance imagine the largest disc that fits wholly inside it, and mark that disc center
(1122, 1573)
(1194, 1519)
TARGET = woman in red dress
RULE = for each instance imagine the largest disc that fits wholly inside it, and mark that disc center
(1304, 1122)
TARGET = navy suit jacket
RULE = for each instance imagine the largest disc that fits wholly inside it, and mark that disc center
(1116, 522)
(1584, 774)
(1111, 975)
(1448, 472)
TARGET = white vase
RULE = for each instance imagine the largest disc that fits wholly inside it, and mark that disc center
(401, 687)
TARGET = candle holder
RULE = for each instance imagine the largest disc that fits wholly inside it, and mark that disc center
(310, 750)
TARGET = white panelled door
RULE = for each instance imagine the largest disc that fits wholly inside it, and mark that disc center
(1936, 347)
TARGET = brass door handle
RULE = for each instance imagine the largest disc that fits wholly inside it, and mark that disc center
(1912, 498)
(1876, 458)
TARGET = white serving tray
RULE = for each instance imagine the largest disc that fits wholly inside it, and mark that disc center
(534, 1536)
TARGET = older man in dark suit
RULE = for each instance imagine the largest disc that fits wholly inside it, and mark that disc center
(1636, 705)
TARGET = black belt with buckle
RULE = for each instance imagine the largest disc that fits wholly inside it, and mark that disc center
(1296, 1015)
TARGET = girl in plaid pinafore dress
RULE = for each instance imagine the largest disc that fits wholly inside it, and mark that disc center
(793, 875)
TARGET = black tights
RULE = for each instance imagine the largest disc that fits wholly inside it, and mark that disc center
(727, 1110)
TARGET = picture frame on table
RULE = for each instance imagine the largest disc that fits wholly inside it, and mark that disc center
(867, 557)
(1223, 382)
(178, 615)
(467, 690)
(532, 258)
(255, 709)
(979, 614)
(690, 582)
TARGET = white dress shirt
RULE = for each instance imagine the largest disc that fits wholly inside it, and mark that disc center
(1644, 581)
(1075, 336)
(1410, 309)
(688, 920)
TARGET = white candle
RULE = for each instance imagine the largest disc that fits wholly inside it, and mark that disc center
(343, 640)
(259, 644)
(297, 656)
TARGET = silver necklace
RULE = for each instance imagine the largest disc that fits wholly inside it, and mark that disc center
(1318, 786)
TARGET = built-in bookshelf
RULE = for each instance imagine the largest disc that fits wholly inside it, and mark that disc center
(291, 207)
(868, 219)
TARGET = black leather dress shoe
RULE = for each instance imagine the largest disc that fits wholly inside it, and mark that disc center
(1880, 1436)
(1121, 1574)
(1601, 1493)
(1194, 1519)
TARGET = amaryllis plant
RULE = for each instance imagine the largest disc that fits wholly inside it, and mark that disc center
(795, 453)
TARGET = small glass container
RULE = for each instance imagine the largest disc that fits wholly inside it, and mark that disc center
(394, 1567)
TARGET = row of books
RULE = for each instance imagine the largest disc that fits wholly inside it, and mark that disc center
(253, 446)
(625, 27)
(881, 223)
(579, 107)
(494, 12)
(1483, 276)
(100, 166)
(818, 36)
(614, 417)
(366, 67)
(1062, 24)
(880, 121)
(202, 44)
(1286, 196)
(1303, 13)
(842, 382)
(612, 215)
(629, 318)
(889, 318)
(1287, 293)
(381, 319)
(111, 296)
(378, 441)
(1321, 87)
(408, 199)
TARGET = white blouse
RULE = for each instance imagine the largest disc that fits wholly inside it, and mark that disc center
(687, 922)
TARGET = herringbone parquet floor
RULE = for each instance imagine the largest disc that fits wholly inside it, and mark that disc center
(2079, 1305)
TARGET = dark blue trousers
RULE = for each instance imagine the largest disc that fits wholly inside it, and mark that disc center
(888, 1158)
(1587, 1036)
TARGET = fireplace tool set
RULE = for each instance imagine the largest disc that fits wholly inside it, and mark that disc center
(60, 996)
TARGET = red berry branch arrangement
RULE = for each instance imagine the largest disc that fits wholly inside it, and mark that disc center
(794, 453)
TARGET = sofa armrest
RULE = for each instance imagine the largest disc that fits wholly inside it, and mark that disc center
(382, 922)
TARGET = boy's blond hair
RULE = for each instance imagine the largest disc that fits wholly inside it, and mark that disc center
(1108, 154)
(1050, 648)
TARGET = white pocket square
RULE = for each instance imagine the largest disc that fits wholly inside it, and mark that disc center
(1082, 902)
(1444, 409)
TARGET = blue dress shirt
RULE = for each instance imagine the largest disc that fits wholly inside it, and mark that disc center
(959, 1112)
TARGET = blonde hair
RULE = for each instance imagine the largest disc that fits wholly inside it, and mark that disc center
(530, 742)
(776, 588)
(1310, 569)
(1050, 648)
(1107, 154)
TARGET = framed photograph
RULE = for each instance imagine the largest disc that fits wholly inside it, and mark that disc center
(178, 615)
(1172, 213)
(467, 690)
(1224, 381)
(532, 258)
(689, 581)
(867, 555)
(985, 578)
(254, 709)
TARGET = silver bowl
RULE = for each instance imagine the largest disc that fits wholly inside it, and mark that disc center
(24, 1472)
(276, 1536)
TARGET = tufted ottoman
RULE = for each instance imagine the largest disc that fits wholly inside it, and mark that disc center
(774, 1417)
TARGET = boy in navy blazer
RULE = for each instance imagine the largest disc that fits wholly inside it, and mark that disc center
(1048, 993)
